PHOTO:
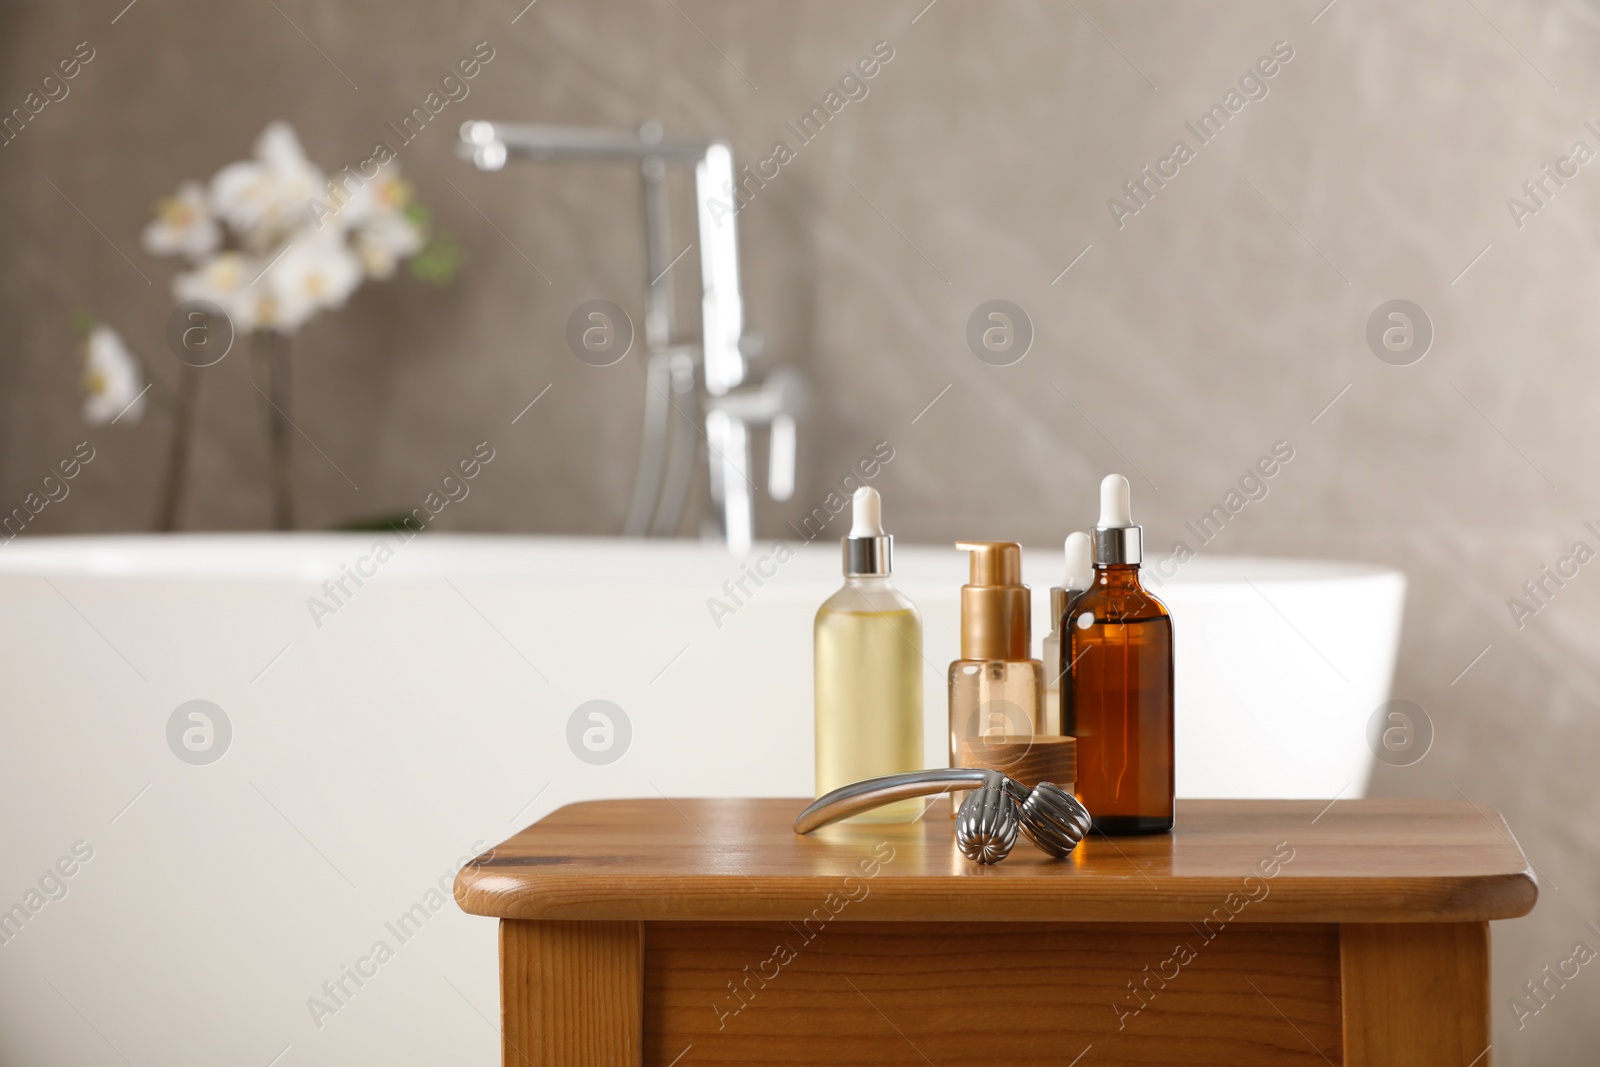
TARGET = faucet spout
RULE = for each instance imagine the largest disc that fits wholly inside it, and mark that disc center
(730, 406)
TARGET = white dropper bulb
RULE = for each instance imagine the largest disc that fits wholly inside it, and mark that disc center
(1116, 508)
(866, 513)
(1080, 562)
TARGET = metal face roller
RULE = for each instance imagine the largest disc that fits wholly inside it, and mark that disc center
(1048, 815)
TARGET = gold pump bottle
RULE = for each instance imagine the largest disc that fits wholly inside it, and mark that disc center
(996, 687)
(868, 670)
(1117, 641)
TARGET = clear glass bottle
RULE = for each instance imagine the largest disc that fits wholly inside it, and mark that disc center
(992, 703)
(1118, 640)
(868, 670)
(996, 687)
(1058, 684)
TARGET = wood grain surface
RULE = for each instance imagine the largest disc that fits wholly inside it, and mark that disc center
(1030, 760)
(1416, 995)
(1356, 861)
(964, 995)
(571, 994)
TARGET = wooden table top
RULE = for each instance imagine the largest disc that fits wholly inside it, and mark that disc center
(1257, 860)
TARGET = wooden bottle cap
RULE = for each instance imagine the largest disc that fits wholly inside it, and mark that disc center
(1030, 760)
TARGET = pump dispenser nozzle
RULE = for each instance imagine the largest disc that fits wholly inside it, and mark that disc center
(868, 551)
(995, 622)
(1117, 540)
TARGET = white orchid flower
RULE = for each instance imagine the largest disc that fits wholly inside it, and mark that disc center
(183, 225)
(225, 280)
(266, 198)
(384, 240)
(384, 196)
(303, 245)
(113, 378)
(316, 271)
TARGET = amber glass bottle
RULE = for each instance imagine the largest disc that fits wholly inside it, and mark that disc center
(1116, 640)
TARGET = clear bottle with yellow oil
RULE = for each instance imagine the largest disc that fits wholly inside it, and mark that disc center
(868, 669)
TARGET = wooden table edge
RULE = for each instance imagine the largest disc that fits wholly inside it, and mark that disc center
(497, 893)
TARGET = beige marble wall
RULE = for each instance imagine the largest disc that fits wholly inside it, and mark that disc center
(1224, 316)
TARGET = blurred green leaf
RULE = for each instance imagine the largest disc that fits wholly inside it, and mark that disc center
(390, 522)
(440, 260)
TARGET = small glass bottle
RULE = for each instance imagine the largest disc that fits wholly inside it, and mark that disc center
(996, 687)
(868, 670)
(1117, 640)
(1058, 681)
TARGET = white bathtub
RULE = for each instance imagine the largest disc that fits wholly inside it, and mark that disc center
(429, 711)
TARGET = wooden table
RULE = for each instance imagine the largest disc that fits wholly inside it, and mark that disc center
(694, 932)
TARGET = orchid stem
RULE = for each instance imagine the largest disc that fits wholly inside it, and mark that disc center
(172, 486)
(272, 348)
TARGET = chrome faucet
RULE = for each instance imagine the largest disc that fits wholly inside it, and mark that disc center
(705, 386)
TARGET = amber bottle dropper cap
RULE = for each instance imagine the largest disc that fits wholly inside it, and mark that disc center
(1117, 541)
(995, 623)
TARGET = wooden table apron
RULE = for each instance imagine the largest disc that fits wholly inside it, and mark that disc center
(685, 932)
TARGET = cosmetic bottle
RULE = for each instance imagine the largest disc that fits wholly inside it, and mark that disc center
(868, 669)
(1080, 573)
(996, 687)
(1116, 642)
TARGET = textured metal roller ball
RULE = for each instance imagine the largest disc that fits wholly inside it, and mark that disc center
(1054, 819)
(987, 824)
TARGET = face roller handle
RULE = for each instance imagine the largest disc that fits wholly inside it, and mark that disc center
(858, 797)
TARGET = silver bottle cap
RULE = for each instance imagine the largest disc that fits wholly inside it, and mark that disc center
(869, 557)
(1118, 545)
